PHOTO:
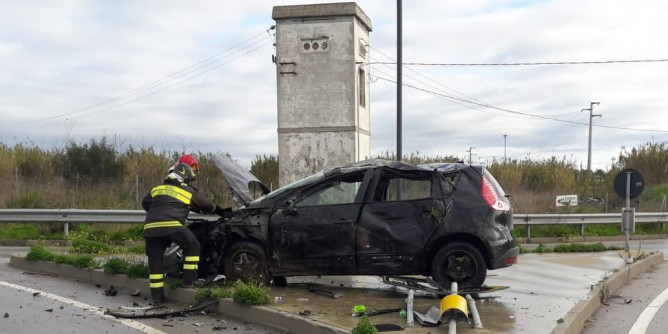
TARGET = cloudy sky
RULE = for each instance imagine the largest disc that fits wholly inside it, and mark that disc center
(197, 76)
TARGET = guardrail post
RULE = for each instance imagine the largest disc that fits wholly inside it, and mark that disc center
(66, 228)
(528, 231)
(582, 230)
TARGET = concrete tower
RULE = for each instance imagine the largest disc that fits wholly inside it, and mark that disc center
(322, 52)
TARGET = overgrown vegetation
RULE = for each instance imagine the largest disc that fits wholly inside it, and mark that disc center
(40, 253)
(569, 248)
(244, 293)
(364, 326)
(101, 174)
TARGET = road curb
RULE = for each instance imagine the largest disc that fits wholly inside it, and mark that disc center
(262, 315)
(575, 319)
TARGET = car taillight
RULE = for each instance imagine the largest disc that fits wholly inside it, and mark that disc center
(492, 197)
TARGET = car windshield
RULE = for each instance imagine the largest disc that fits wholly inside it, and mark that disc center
(297, 184)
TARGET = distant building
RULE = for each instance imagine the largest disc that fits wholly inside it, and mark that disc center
(322, 56)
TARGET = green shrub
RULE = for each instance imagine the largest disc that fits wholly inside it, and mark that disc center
(137, 270)
(250, 293)
(570, 248)
(542, 249)
(116, 266)
(225, 290)
(83, 261)
(60, 258)
(134, 232)
(20, 231)
(84, 246)
(364, 326)
(39, 253)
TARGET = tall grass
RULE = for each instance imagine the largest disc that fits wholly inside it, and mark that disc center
(101, 175)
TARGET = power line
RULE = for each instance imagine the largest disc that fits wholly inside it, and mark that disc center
(531, 64)
(204, 66)
(523, 113)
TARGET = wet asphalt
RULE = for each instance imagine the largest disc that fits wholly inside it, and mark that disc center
(542, 288)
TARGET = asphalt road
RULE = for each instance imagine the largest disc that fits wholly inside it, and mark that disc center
(543, 288)
(640, 306)
(34, 303)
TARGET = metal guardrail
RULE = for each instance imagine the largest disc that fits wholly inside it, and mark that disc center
(66, 216)
(582, 219)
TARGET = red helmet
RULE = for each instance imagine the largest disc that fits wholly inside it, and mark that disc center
(190, 161)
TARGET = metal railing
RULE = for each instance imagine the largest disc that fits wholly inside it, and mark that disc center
(582, 219)
(67, 216)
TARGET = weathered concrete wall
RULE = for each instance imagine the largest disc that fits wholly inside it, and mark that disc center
(323, 87)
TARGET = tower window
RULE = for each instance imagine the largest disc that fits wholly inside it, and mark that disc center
(362, 87)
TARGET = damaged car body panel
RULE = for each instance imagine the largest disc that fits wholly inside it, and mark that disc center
(450, 221)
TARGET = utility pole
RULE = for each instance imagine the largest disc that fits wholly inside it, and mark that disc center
(504, 148)
(470, 153)
(399, 79)
(591, 116)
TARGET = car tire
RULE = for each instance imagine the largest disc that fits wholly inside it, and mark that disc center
(459, 262)
(246, 261)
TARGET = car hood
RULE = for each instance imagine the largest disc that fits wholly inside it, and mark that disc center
(242, 183)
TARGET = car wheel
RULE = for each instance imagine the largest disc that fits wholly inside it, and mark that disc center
(459, 262)
(246, 261)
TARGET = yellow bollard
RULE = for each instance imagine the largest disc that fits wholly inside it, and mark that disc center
(454, 307)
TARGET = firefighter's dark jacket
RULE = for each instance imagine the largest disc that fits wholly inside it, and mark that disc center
(167, 207)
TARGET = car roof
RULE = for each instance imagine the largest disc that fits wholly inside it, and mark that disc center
(398, 165)
(239, 179)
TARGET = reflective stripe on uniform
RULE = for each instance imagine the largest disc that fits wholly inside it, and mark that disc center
(172, 191)
(155, 276)
(157, 285)
(173, 223)
(192, 258)
(189, 267)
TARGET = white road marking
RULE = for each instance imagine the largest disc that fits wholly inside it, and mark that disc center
(642, 323)
(89, 308)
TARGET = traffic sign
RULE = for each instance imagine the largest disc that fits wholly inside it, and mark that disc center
(636, 186)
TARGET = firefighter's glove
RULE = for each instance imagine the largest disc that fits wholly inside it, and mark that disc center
(222, 212)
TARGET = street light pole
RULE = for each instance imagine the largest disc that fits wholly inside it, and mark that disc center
(591, 116)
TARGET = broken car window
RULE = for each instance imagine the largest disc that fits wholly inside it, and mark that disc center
(409, 187)
(336, 191)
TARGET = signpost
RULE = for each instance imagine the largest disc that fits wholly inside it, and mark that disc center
(629, 184)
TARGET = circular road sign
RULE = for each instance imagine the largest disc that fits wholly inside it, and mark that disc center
(637, 183)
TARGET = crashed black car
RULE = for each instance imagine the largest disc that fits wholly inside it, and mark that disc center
(449, 221)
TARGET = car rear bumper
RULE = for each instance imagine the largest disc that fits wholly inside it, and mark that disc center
(507, 259)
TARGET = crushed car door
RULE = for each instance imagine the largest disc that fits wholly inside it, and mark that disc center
(401, 213)
(318, 233)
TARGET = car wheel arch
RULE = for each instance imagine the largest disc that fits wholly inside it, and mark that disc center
(257, 254)
(460, 262)
(473, 240)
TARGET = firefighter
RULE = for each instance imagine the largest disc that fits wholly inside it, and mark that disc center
(190, 160)
(167, 206)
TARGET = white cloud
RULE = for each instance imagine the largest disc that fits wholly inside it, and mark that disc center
(163, 74)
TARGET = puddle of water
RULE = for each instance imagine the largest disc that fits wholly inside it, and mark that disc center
(543, 288)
